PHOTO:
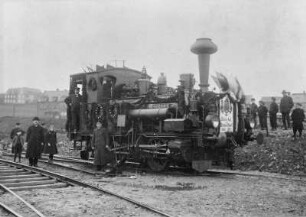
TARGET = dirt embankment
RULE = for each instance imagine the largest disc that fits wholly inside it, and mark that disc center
(279, 154)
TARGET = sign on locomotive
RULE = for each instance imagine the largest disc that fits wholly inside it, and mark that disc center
(158, 125)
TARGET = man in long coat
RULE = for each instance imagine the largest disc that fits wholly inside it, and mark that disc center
(298, 117)
(100, 141)
(34, 141)
(285, 106)
(273, 113)
(74, 103)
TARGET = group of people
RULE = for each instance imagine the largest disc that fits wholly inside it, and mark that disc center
(285, 107)
(38, 140)
(42, 140)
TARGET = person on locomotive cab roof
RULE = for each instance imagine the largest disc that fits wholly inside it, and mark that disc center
(74, 103)
(34, 141)
(297, 117)
(262, 114)
(100, 141)
(50, 143)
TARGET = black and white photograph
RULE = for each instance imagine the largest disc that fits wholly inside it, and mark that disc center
(171, 108)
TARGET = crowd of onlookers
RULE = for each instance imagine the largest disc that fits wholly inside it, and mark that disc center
(287, 108)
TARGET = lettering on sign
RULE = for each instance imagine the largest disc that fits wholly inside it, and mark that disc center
(226, 115)
(162, 105)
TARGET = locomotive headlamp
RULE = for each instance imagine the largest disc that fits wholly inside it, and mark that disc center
(252, 124)
(212, 120)
(215, 123)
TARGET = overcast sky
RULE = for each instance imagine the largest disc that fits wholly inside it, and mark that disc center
(261, 42)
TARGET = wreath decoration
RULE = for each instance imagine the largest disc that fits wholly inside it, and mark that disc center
(92, 84)
(100, 112)
(113, 111)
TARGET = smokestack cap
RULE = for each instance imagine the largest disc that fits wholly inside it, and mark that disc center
(204, 45)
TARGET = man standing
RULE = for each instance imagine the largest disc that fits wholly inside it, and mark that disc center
(262, 114)
(100, 141)
(254, 110)
(298, 117)
(74, 102)
(273, 114)
(285, 106)
(34, 141)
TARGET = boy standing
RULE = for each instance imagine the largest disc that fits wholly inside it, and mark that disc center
(297, 117)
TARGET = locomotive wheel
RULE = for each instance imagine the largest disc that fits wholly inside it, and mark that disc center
(157, 164)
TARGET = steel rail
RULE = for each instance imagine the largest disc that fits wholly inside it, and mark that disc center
(83, 184)
(21, 199)
(8, 209)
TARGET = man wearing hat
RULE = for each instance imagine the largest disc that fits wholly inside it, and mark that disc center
(297, 117)
(273, 113)
(74, 103)
(254, 110)
(34, 141)
(262, 114)
(286, 104)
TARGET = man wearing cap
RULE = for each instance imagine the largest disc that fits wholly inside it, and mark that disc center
(254, 110)
(74, 103)
(285, 106)
(34, 141)
(262, 114)
(297, 117)
(273, 113)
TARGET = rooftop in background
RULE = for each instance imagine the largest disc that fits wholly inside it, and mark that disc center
(54, 95)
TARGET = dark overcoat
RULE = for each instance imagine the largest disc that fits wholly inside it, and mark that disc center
(50, 143)
(254, 109)
(273, 108)
(298, 117)
(18, 142)
(35, 140)
(262, 111)
(286, 104)
(100, 140)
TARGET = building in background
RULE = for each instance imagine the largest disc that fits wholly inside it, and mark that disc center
(299, 97)
(22, 95)
(54, 95)
(2, 97)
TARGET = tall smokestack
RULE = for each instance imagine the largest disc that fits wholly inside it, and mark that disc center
(203, 47)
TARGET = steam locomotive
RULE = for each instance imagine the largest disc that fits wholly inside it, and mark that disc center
(157, 125)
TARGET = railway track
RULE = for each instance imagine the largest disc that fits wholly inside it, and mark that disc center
(173, 171)
(19, 177)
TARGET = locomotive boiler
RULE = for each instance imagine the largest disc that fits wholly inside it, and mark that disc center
(157, 125)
